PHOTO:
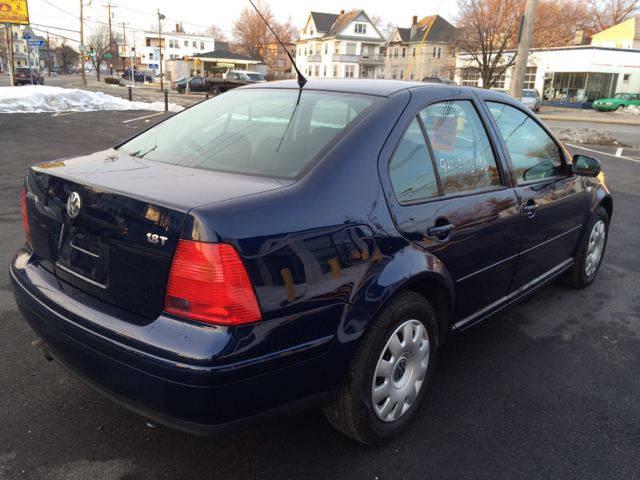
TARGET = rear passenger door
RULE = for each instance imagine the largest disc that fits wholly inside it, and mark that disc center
(449, 196)
(551, 198)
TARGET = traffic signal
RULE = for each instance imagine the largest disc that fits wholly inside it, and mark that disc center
(91, 54)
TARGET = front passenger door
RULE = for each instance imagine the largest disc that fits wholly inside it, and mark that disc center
(551, 198)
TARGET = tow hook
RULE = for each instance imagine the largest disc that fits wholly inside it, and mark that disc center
(42, 348)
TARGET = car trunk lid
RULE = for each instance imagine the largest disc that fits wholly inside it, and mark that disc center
(108, 223)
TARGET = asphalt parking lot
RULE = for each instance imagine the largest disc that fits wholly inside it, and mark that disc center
(549, 388)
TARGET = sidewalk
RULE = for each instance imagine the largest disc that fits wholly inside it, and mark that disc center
(589, 116)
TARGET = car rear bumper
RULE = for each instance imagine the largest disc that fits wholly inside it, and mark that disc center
(192, 395)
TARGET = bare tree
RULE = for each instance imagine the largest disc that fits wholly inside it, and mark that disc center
(251, 34)
(154, 27)
(216, 32)
(489, 29)
(386, 29)
(98, 41)
(608, 13)
(4, 51)
(65, 55)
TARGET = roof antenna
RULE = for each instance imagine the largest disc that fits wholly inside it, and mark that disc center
(301, 79)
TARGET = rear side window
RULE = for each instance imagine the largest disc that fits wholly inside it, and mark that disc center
(411, 169)
(533, 153)
(461, 148)
(275, 133)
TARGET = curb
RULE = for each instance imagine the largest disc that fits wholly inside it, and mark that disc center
(635, 123)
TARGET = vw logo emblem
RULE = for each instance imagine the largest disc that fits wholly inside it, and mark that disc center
(74, 204)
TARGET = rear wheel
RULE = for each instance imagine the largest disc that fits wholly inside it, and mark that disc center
(389, 372)
(591, 251)
(215, 91)
(181, 90)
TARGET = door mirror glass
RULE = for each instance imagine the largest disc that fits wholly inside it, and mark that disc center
(586, 166)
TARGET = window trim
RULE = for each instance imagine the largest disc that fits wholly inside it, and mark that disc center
(564, 158)
(441, 195)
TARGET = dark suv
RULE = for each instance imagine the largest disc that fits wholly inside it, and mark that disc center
(26, 76)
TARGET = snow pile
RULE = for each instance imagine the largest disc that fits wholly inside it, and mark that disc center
(38, 98)
(630, 110)
(586, 135)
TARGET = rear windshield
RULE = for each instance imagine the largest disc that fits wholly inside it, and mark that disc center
(255, 132)
(529, 94)
(22, 70)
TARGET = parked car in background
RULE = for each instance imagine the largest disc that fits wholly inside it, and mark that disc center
(255, 76)
(438, 80)
(532, 99)
(174, 83)
(196, 84)
(278, 248)
(138, 76)
(26, 76)
(618, 102)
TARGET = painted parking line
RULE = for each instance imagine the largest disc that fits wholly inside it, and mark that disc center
(603, 153)
(142, 118)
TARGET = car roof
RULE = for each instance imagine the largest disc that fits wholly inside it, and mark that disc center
(363, 86)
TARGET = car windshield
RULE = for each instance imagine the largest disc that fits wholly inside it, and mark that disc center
(257, 131)
(255, 76)
(528, 94)
(242, 76)
(622, 96)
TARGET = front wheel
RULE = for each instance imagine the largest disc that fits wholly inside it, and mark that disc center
(590, 252)
(389, 372)
(619, 107)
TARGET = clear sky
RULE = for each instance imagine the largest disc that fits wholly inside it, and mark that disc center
(196, 16)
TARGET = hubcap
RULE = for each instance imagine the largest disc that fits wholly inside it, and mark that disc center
(400, 371)
(596, 245)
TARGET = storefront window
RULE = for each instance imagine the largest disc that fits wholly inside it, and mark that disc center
(469, 77)
(582, 86)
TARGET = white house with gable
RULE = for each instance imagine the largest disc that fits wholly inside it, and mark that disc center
(340, 46)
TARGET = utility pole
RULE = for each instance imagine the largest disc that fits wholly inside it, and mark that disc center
(124, 59)
(524, 42)
(8, 33)
(48, 54)
(84, 79)
(160, 17)
(109, 6)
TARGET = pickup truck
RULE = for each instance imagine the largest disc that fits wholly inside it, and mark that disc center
(214, 85)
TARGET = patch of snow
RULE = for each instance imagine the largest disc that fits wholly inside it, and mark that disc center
(589, 136)
(630, 110)
(39, 98)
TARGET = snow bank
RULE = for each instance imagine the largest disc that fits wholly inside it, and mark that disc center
(586, 135)
(38, 98)
(630, 110)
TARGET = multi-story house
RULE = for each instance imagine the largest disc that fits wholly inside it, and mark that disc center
(409, 57)
(174, 45)
(344, 46)
(278, 63)
(22, 51)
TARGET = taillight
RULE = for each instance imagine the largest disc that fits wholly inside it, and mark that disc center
(208, 282)
(25, 221)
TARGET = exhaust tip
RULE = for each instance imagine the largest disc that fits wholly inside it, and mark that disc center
(42, 348)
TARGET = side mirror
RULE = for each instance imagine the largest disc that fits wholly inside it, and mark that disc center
(586, 166)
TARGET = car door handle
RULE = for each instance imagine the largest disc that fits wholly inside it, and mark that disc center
(529, 208)
(441, 230)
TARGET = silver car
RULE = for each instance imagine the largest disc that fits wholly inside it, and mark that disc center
(532, 99)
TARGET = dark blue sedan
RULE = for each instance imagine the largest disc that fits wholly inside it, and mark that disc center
(278, 248)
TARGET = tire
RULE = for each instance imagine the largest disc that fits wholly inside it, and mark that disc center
(590, 252)
(215, 91)
(619, 107)
(396, 369)
(181, 90)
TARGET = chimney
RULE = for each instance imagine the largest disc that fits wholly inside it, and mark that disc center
(414, 26)
(341, 12)
(177, 27)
